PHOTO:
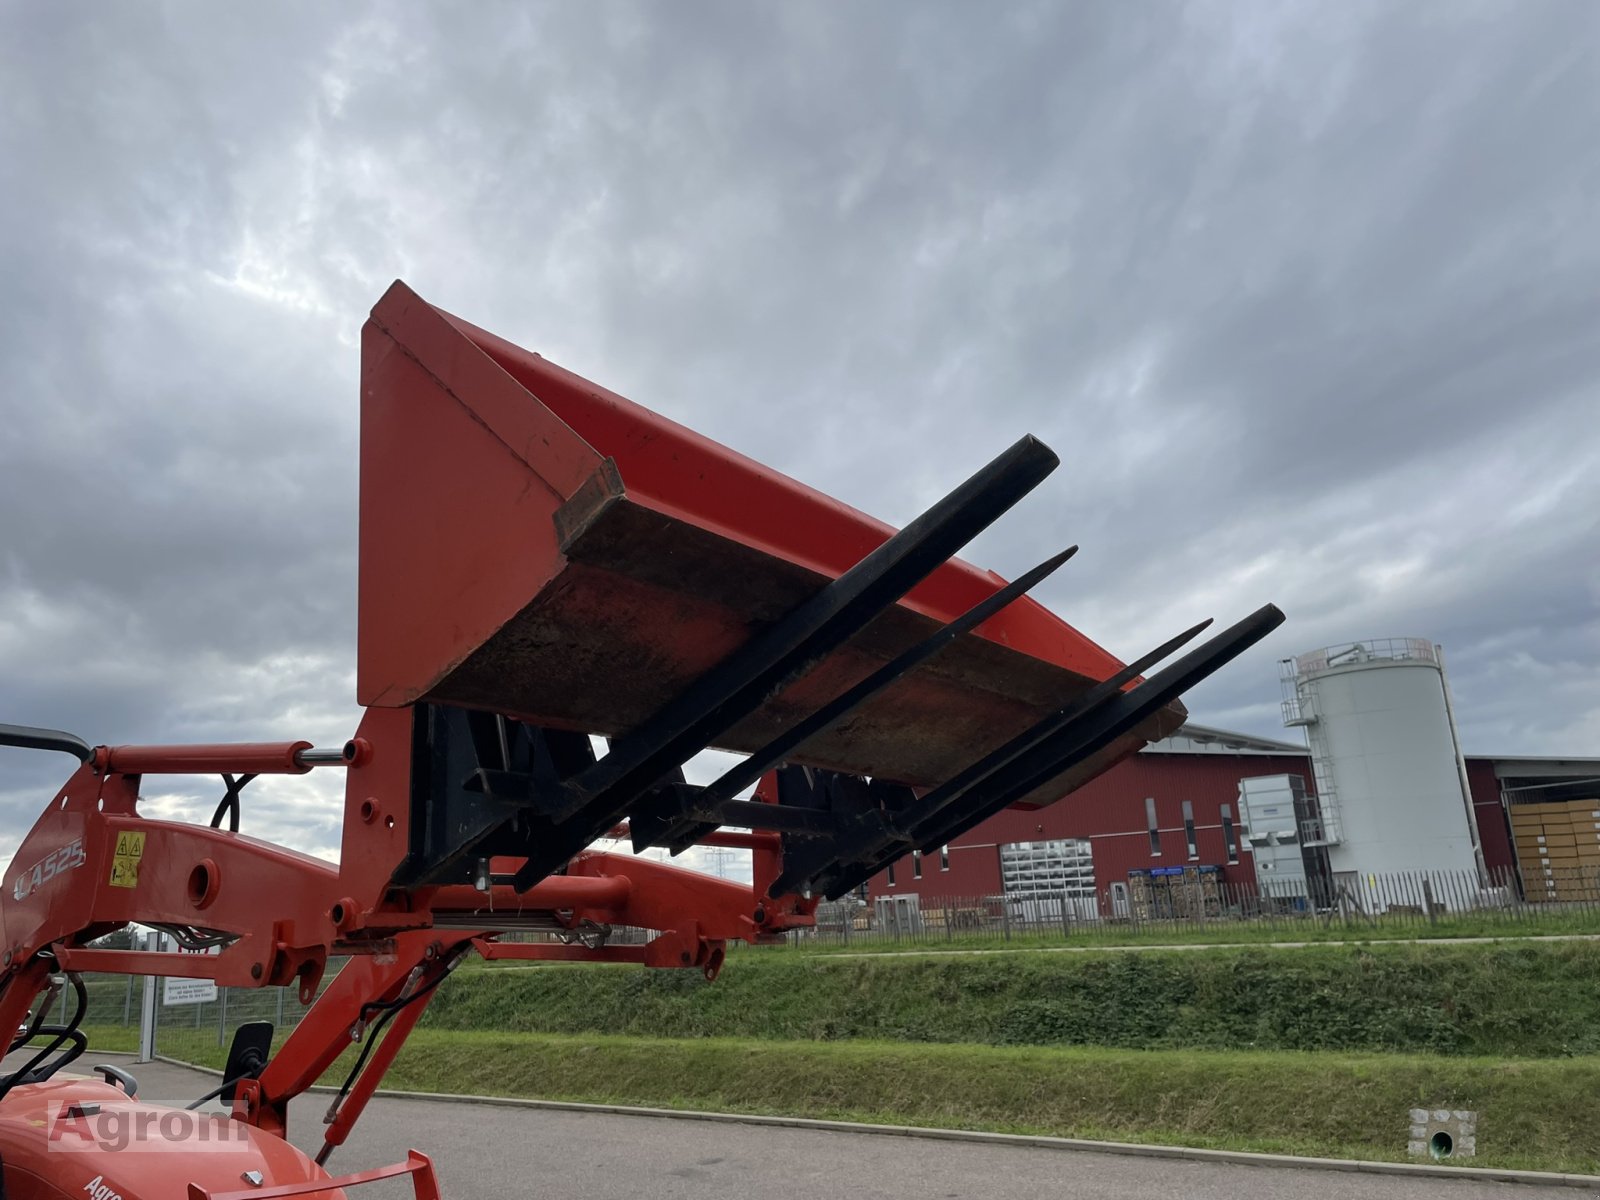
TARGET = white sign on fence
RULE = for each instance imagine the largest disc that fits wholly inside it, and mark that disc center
(187, 991)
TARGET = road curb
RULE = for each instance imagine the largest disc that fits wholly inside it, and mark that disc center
(1036, 1141)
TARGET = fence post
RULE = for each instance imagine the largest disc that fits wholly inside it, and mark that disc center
(278, 1024)
(127, 1003)
(1427, 900)
(147, 1008)
(1066, 916)
(1005, 916)
(222, 1017)
(147, 1021)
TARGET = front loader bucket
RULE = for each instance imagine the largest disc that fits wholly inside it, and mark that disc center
(536, 546)
(542, 560)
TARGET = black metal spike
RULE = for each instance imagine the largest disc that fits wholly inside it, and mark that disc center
(809, 862)
(680, 837)
(1107, 689)
(1088, 735)
(594, 800)
(1122, 713)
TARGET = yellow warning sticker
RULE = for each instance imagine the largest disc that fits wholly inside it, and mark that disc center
(125, 860)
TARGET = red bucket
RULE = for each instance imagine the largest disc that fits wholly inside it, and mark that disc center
(534, 545)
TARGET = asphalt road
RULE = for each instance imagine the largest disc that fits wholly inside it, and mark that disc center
(489, 1152)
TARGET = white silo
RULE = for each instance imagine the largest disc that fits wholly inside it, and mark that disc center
(1391, 783)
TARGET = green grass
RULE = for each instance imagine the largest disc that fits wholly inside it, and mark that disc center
(1509, 924)
(1313, 1051)
(1506, 1000)
(1533, 1114)
(120, 1038)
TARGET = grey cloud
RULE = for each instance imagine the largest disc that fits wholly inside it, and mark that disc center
(1302, 294)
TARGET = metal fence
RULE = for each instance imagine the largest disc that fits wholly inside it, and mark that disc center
(184, 1029)
(1191, 903)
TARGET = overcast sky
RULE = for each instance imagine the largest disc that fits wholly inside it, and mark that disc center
(1306, 296)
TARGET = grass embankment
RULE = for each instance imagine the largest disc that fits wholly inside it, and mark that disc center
(1535, 1114)
(1309, 1051)
(1501, 1000)
(1488, 923)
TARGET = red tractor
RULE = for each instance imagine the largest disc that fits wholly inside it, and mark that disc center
(541, 561)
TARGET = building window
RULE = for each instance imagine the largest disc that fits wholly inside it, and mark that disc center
(916, 864)
(944, 858)
(890, 873)
(1155, 830)
(1188, 831)
(1052, 868)
(1230, 836)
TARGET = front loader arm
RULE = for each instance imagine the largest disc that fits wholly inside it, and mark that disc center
(91, 864)
(276, 916)
(373, 1002)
